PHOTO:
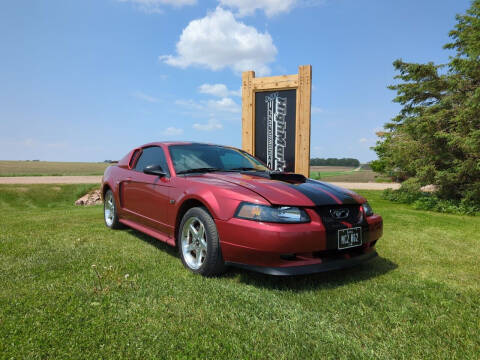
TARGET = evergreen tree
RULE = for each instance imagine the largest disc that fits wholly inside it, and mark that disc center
(435, 139)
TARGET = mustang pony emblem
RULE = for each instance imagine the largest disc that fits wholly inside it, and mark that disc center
(339, 213)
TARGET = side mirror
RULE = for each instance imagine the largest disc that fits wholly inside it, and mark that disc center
(154, 170)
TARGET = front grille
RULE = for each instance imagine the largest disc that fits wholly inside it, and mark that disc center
(332, 224)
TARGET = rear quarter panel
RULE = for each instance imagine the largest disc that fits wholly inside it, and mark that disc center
(112, 178)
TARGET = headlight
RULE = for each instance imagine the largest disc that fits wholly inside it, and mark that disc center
(281, 214)
(367, 209)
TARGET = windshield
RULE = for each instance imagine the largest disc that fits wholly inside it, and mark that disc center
(191, 157)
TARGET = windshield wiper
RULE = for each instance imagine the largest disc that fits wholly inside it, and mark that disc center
(198, 170)
(245, 169)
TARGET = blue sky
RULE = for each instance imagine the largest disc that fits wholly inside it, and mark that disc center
(89, 80)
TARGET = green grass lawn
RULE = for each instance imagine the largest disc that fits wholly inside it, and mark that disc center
(71, 288)
(50, 168)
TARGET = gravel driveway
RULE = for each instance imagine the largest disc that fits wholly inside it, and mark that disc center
(98, 179)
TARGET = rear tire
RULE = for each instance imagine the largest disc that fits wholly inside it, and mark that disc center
(110, 211)
(198, 243)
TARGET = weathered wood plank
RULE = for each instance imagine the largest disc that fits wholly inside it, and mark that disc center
(248, 112)
(304, 103)
(282, 82)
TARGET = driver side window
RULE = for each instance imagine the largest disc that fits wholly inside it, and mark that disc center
(152, 156)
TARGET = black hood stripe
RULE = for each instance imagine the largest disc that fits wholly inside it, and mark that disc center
(318, 195)
(343, 194)
(323, 194)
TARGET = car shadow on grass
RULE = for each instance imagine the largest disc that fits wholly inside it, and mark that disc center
(160, 245)
(325, 280)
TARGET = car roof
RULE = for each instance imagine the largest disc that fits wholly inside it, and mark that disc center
(169, 143)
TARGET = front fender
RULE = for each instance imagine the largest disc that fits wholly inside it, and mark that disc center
(208, 200)
(220, 198)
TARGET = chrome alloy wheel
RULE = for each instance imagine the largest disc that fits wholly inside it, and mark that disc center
(194, 243)
(109, 208)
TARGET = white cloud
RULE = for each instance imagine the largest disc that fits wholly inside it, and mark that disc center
(363, 140)
(212, 107)
(192, 104)
(156, 6)
(211, 125)
(142, 96)
(270, 7)
(219, 90)
(224, 104)
(172, 131)
(218, 41)
(317, 110)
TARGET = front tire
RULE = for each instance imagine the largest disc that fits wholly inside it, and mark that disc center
(198, 243)
(110, 211)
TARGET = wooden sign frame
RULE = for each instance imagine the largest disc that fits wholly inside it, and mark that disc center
(302, 83)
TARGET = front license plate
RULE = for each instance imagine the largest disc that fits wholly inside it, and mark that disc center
(348, 238)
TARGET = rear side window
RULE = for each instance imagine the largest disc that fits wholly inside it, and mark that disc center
(152, 156)
(133, 158)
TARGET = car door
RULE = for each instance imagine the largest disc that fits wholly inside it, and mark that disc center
(146, 197)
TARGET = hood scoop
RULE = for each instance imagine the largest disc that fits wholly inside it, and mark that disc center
(287, 177)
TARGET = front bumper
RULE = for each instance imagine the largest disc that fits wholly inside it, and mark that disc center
(309, 269)
(287, 249)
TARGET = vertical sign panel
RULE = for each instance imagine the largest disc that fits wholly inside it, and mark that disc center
(275, 119)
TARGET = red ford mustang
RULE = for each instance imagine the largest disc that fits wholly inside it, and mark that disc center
(220, 206)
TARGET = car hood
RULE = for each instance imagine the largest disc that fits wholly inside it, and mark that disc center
(277, 192)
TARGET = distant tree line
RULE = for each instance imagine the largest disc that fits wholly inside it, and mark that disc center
(334, 162)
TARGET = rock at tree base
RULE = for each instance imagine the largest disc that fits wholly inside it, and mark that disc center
(429, 188)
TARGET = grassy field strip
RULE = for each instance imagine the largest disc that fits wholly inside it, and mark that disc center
(50, 168)
(419, 299)
(323, 172)
(345, 174)
(51, 180)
